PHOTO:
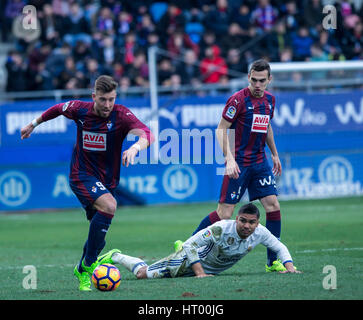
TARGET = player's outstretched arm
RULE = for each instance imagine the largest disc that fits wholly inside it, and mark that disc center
(199, 271)
(26, 131)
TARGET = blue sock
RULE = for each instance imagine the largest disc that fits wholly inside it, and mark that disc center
(207, 221)
(96, 236)
(80, 269)
(273, 224)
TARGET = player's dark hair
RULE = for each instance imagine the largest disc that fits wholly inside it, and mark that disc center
(105, 84)
(249, 208)
(260, 65)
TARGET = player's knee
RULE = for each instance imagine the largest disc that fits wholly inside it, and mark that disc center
(110, 206)
(225, 211)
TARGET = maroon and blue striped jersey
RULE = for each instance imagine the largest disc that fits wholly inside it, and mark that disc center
(250, 117)
(98, 147)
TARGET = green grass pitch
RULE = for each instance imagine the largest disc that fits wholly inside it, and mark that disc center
(318, 233)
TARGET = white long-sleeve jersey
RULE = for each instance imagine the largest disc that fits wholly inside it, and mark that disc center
(219, 246)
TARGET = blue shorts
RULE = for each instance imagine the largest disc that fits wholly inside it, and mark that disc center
(257, 179)
(88, 189)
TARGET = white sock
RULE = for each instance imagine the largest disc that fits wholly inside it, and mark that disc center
(132, 264)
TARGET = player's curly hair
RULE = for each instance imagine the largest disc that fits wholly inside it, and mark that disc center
(105, 84)
(260, 65)
(249, 208)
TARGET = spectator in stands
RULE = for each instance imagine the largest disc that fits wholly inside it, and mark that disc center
(52, 29)
(242, 17)
(138, 71)
(317, 53)
(194, 26)
(233, 39)
(172, 20)
(219, 18)
(81, 52)
(117, 71)
(113, 31)
(293, 17)
(13, 8)
(16, 69)
(76, 26)
(108, 52)
(165, 71)
(124, 24)
(179, 41)
(43, 79)
(92, 72)
(189, 70)
(68, 73)
(355, 41)
(313, 16)
(56, 60)
(144, 28)
(301, 43)
(124, 84)
(130, 48)
(330, 45)
(208, 39)
(37, 55)
(153, 39)
(264, 16)
(213, 66)
(235, 64)
(103, 21)
(278, 40)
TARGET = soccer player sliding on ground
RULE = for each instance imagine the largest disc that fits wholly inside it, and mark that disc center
(212, 250)
(102, 126)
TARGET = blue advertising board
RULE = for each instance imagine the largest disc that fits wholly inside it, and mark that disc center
(319, 138)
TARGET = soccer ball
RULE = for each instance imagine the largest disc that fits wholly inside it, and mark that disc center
(106, 277)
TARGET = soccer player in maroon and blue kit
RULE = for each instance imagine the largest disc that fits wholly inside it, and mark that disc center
(102, 126)
(247, 114)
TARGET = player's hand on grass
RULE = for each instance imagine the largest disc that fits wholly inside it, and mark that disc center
(291, 271)
(26, 131)
(204, 275)
(129, 156)
(290, 268)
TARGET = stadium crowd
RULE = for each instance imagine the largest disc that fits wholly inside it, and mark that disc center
(206, 41)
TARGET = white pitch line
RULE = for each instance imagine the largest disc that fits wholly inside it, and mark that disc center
(72, 265)
(329, 250)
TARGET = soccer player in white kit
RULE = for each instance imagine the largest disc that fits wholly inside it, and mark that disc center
(213, 249)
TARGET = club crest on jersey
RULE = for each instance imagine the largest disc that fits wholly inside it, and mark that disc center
(230, 241)
(260, 123)
(94, 141)
(233, 195)
(231, 111)
(94, 189)
(109, 124)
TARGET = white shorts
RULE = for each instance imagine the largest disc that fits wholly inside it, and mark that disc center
(174, 265)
